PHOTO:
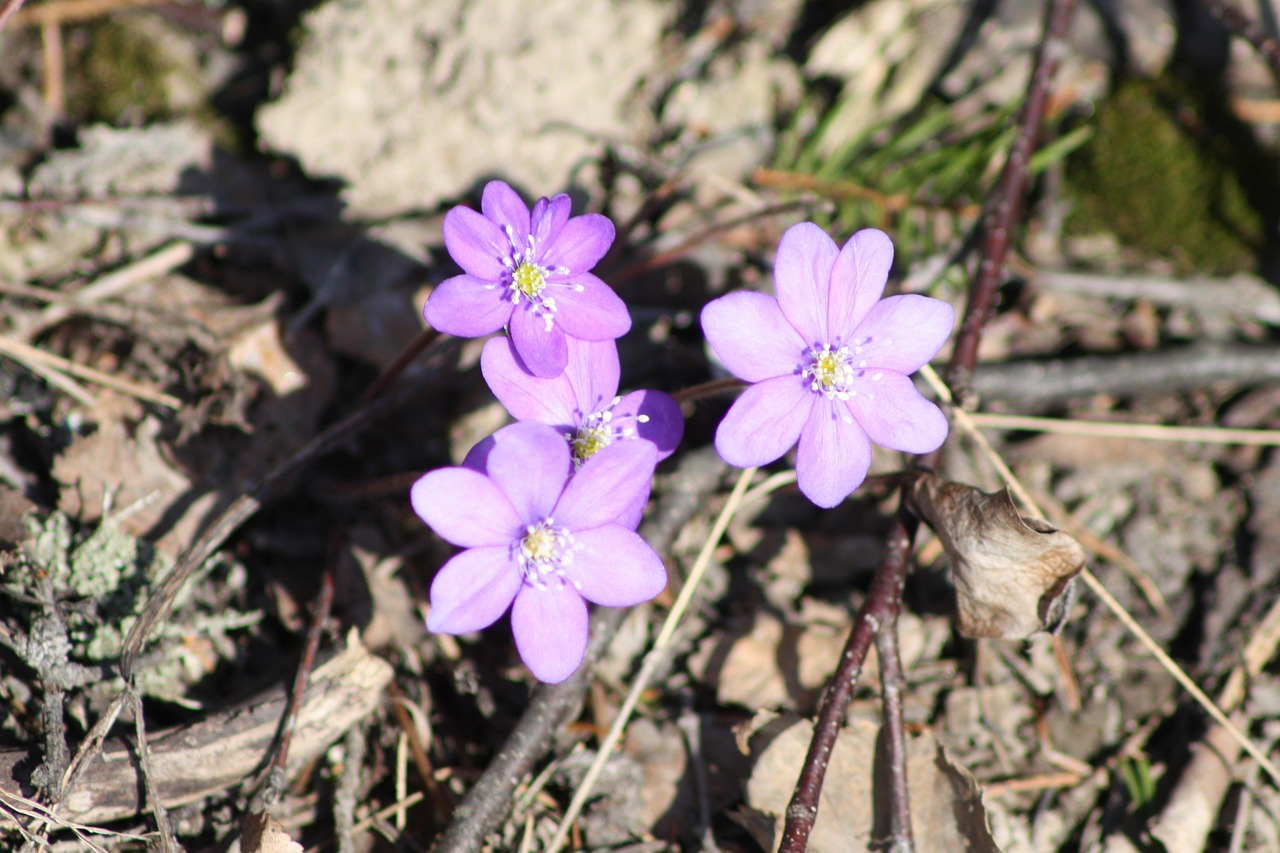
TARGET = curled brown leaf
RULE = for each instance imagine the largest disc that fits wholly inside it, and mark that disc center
(1013, 573)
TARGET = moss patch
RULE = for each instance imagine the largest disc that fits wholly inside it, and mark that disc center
(1159, 176)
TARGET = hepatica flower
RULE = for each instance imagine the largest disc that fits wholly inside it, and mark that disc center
(583, 402)
(528, 271)
(541, 540)
(829, 361)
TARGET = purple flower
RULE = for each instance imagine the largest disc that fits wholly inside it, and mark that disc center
(528, 271)
(540, 541)
(582, 402)
(830, 362)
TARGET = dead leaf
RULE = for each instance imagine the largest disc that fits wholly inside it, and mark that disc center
(947, 813)
(764, 662)
(261, 833)
(130, 466)
(261, 351)
(1012, 573)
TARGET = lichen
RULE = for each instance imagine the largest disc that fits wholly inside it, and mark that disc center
(103, 580)
(1160, 174)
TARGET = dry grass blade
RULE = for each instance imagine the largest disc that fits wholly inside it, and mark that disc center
(964, 421)
(1146, 432)
(15, 805)
(48, 363)
(651, 660)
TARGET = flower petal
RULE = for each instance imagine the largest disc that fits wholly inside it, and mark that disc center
(895, 415)
(550, 626)
(834, 455)
(765, 421)
(802, 278)
(541, 350)
(465, 507)
(467, 307)
(548, 217)
(525, 396)
(593, 371)
(504, 206)
(857, 281)
(581, 243)
(595, 313)
(751, 337)
(616, 567)
(530, 463)
(477, 458)
(905, 332)
(607, 486)
(472, 590)
(664, 424)
(475, 243)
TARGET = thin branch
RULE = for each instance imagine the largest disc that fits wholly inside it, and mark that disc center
(885, 594)
(1010, 194)
(275, 778)
(882, 598)
(1038, 384)
(893, 734)
(256, 494)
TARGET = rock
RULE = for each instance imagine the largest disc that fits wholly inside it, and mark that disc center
(411, 103)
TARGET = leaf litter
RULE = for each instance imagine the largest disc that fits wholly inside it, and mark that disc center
(284, 308)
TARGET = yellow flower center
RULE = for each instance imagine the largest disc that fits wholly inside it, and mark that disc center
(589, 440)
(539, 545)
(598, 430)
(544, 551)
(530, 279)
(830, 372)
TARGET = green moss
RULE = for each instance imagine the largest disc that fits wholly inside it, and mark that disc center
(122, 76)
(1160, 176)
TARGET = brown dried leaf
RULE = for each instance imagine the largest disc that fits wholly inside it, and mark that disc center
(1012, 573)
(261, 833)
(947, 813)
(130, 465)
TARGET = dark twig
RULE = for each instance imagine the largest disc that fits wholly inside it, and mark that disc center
(168, 844)
(243, 507)
(878, 612)
(708, 389)
(1240, 24)
(1008, 198)
(893, 735)
(415, 348)
(275, 781)
(882, 599)
(487, 803)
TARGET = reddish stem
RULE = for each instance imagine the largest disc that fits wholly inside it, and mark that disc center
(879, 612)
(1010, 193)
(319, 618)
